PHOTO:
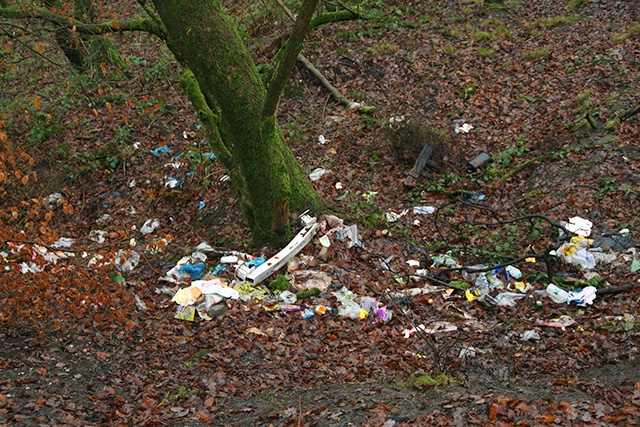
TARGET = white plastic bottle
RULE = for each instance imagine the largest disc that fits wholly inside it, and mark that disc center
(557, 295)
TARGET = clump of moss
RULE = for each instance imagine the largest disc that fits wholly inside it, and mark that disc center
(280, 284)
(309, 293)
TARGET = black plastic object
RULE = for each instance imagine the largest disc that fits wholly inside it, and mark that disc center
(480, 160)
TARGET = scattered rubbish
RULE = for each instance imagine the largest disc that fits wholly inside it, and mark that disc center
(467, 353)
(396, 120)
(338, 186)
(473, 197)
(561, 322)
(325, 241)
(635, 265)
(229, 259)
(185, 312)
(349, 307)
(613, 241)
(575, 252)
(64, 242)
(435, 327)
(30, 267)
(174, 275)
(381, 314)
(196, 271)
(445, 261)
(139, 303)
(513, 271)
(508, 299)
(149, 226)
(187, 296)
(305, 280)
(530, 335)
(217, 310)
(603, 258)
(126, 260)
(422, 161)
(257, 274)
(350, 232)
(163, 149)
(413, 263)
(556, 294)
(577, 225)
(393, 217)
(322, 140)
(98, 236)
(479, 161)
(317, 174)
(461, 127)
(583, 297)
(52, 201)
(201, 205)
(172, 182)
(216, 287)
(424, 210)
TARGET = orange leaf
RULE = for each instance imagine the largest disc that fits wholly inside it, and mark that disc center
(6, 46)
(103, 67)
(100, 91)
(203, 417)
(115, 25)
(492, 412)
(73, 29)
(108, 104)
(547, 419)
(25, 179)
(95, 112)
(132, 103)
(36, 101)
(68, 209)
(41, 47)
(3, 137)
(128, 62)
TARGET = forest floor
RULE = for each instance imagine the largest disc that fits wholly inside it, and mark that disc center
(84, 343)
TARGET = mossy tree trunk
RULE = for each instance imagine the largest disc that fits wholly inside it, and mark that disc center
(238, 110)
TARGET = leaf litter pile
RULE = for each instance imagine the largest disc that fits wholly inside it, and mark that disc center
(103, 198)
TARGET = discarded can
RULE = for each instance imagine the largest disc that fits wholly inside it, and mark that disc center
(480, 160)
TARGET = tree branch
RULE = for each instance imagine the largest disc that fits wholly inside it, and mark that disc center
(113, 26)
(331, 17)
(208, 118)
(286, 58)
(340, 98)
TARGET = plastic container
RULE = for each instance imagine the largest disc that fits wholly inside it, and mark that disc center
(557, 295)
(480, 160)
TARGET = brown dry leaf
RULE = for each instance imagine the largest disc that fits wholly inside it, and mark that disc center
(256, 331)
(492, 411)
(547, 419)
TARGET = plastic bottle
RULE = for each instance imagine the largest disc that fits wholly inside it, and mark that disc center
(557, 295)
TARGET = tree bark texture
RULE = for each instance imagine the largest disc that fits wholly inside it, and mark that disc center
(238, 114)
